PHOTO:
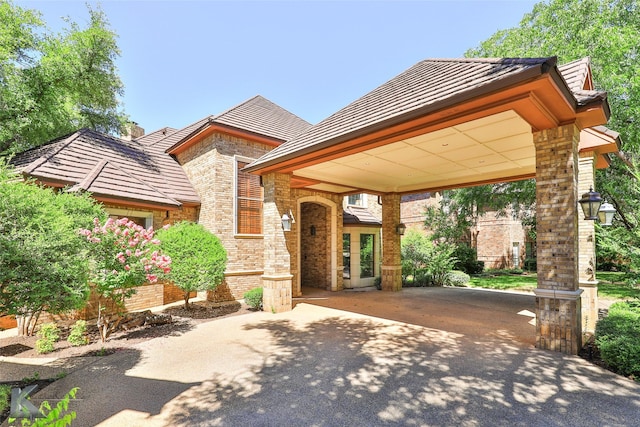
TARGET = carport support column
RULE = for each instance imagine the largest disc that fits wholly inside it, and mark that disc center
(587, 246)
(558, 305)
(391, 261)
(279, 246)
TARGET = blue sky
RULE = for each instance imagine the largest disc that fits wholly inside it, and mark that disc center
(184, 60)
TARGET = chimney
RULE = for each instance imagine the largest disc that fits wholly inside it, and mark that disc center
(132, 131)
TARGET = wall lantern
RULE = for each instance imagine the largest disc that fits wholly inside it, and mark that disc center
(313, 230)
(606, 213)
(287, 220)
(400, 228)
(590, 204)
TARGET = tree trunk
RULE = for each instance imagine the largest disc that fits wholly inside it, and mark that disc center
(186, 300)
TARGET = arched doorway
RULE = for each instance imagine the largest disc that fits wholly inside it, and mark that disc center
(317, 243)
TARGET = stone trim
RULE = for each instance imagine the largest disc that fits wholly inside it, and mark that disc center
(588, 284)
(278, 278)
(558, 294)
(243, 273)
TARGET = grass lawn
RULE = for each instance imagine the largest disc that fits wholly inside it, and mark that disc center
(611, 284)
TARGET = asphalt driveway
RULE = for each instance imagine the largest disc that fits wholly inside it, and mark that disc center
(420, 357)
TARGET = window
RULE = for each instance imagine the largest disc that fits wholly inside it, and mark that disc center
(249, 197)
(142, 218)
(346, 255)
(366, 255)
(356, 200)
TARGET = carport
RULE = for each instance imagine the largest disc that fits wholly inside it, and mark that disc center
(451, 123)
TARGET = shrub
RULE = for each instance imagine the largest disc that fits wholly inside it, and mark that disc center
(49, 334)
(198, 257)
(467, 259)
(377, 282)
(253, 298)
(617, 338)
(58, 416)
(39, 220)
(457, 278)
(531, 264)
(78, 334)
(416, 249)
(5, 396)
(441, 263)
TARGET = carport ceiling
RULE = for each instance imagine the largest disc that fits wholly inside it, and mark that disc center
(442, 124)
(492, 148)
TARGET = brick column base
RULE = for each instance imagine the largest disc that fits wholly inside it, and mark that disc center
(391, 278)
(276, 293)
(557, 314)
(589, 306)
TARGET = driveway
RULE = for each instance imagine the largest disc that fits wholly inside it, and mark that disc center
(420, 357)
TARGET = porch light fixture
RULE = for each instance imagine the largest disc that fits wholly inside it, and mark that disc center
(287, 220)
(606, 213)
(590, 204)
(400, 228)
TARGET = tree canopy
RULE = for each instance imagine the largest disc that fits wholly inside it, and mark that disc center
(53, 84)
(199, 259)
(607, 31)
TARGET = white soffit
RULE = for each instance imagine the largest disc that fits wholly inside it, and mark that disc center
(494, 147)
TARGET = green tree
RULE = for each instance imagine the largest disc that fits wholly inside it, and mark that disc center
(53, 84)
(608, 31)
(43, 258)
(198, 257)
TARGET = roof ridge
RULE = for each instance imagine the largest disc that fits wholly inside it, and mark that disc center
(144, 183)
(91, 176)
(235, 107)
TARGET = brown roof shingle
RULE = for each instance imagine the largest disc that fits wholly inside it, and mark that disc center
(257, 115)
(428, 86)
(109, 167)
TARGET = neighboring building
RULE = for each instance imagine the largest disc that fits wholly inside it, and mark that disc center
(500, 240)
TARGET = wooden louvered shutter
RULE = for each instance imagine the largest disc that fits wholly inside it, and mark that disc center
(248, 202)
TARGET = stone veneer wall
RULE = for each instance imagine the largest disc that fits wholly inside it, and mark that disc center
(210, 166)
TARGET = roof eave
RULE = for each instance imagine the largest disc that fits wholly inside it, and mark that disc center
(532, 73)
(212, 127)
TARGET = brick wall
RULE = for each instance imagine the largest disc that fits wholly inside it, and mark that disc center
(391, 268)
(314, 247)
(211, 167)
(495, 238)
(413, 207)
(558, 305)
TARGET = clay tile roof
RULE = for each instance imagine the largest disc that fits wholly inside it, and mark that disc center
(427, 86)
(359, 216)
(261, 116)
(576, 74)
(109, 167)
(257, 115)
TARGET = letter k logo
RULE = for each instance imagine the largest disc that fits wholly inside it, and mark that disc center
(21, 406)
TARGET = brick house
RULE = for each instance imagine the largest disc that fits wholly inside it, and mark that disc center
(246, 173)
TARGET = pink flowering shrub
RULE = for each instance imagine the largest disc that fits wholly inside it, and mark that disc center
(126, 255)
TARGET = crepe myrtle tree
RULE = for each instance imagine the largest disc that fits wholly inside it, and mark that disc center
(125, 255)
(198, 257)
(43, 259)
